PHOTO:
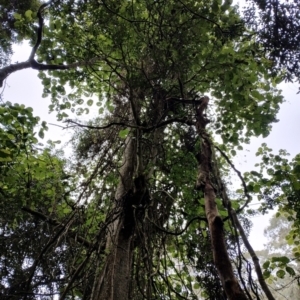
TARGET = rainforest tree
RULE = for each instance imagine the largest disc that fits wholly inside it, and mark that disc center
(11, 29)
(276, 25)
(143, 211)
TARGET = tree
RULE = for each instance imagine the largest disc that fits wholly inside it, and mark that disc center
(148, 215)
(14, 17)
(276, 24)
(33, 183)
(281, 267)
(277, 184)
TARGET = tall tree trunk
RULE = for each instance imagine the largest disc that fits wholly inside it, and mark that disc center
(113, 281)
(215, 223)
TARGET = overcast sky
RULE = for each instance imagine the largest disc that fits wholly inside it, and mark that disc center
(25, 87)
(283, 136)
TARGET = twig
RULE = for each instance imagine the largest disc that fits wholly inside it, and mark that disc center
(249, 198)
(54, 222)
(253, 255)
(39, 30)
(179, 232)
(63, 127)
(145, 129)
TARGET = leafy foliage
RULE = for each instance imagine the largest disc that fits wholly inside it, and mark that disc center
(14, 17)
(280, 267)
(277, 25)
(16, 132)
(126, 210)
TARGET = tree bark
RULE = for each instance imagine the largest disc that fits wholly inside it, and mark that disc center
(113, 281)
(215, 223)
(253, 255)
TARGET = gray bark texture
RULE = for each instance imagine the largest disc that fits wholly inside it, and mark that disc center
(113, 281)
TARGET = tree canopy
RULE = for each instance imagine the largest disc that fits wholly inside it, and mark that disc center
(145, 208)
(14, 17)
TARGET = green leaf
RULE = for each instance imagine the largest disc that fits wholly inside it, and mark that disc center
(257, 95)
(66, 210)
(17, 16)
(90, 102)
(250, 186)
(28, 14)
(266, 274)
(290, 270)
(4, 153)
(255, 173)
(235, 204)
(215, 6)
(123, 133)
(266, 264)
(5, 159)
(256, 188)
(282, 259)
(280, 273)
(41, 133)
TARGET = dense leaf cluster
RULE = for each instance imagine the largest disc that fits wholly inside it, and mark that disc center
(277, 24)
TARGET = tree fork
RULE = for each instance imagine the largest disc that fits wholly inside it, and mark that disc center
(215, 223)
(32, 63)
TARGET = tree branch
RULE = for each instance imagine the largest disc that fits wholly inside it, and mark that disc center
(253, 255)
(237, 224)
(145, 129)
(249, 198)
(54, 222)
(39, 30)
(32, 63)
(179, 232)
(6, 71)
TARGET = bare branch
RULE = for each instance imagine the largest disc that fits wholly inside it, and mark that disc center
(6, 71)
(50, 243)
(54, 222)
(253, 255)
(105, 126)
(179, 232)
(145, 129)
(39, 30)
(249, 198)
